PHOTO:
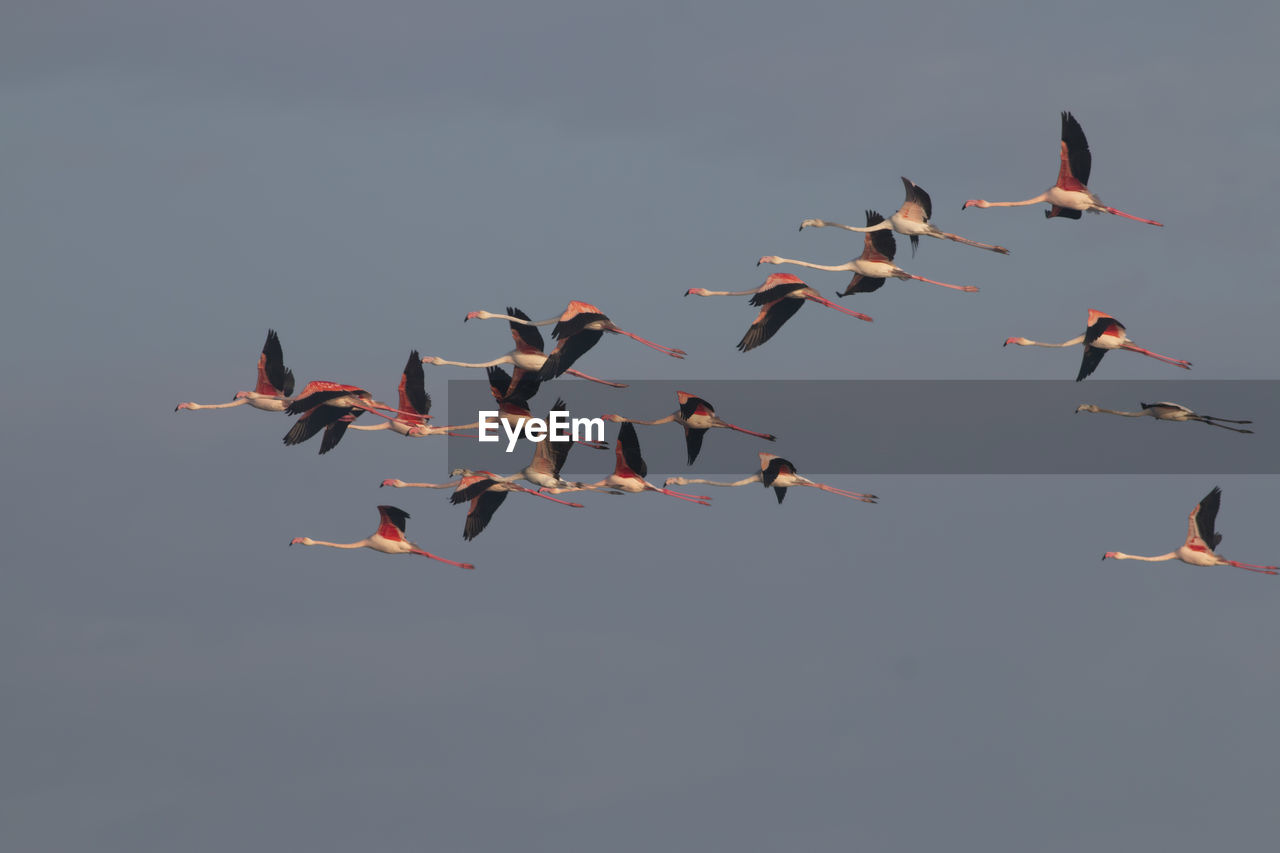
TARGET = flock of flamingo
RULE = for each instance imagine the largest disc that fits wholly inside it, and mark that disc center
(332, 408)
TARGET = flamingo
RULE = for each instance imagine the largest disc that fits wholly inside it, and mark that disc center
(630, 469)
(1165, 411)
(873, 266)
(1201, 540)
(697, 416)
(1103, 333)
(1070, 196)
(782, 295)
(577, 329)
(415, 405)
(548, 458)
(912, 220)
(389, 538)
(528, 354)
(275, 382)
(485, 490)
(779, 473)
(331, 407)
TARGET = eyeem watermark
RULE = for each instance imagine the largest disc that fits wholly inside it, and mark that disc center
(559, 427)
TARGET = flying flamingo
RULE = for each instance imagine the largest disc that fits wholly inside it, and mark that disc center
(275, 382)
(1201, 540)
(1168, 412)
(578, 329)
(528, 354)
(389, 538)
(630, 469)
(415, 405)
(548, 458)
(781, 296)
(873, 266)
(1103, 333)
(697, 416)
(912, 220)
(331, 407)
(1070, 195)
(485, 490)
(779, 473)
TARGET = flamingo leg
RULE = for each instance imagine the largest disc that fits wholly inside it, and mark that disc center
(674, 353)
(1264, 570)
(541, 495)
(705, 501)
(827, 302)
(967, 288)
(1131, 216)
(1176, 362)
(419, 551)
(766, 436)
(991, 247)
(582, 375)
(857, 496)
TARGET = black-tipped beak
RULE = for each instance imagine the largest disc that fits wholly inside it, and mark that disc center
(1104, 556)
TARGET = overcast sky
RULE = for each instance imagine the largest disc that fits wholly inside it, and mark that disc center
(951, 668)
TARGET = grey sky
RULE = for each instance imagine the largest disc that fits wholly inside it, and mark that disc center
(952, 668)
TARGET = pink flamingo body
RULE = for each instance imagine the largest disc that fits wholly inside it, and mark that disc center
(873, 266)
(578, 329)
(1103, 333)
(780, 297)
(274, 387)
(329, 406)
(1069, 197)
(629, 471)
(781, 475)
(910, 220)
(527, 356)
(697, 416)
(388, 539)
(1198, 549)
(415, 405)
(1166, 411)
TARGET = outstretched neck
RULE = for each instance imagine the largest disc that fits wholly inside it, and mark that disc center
(1120, 555)
(1027, 342)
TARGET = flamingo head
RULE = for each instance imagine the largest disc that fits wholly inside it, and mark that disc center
(302, 540)
(1018, 341)
(696, 291)
(767, 259)
(1111, 554)
(617, 419)
(1086, 407)
(975, 202)
(393, 483)
(476, 315)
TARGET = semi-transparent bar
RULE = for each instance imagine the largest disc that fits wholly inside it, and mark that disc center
(907, 426)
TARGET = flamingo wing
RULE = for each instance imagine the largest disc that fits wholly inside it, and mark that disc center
(1089, 363)
(918, 202)
(1203, 519)
(482, 510)
(878, 245)
(568, 351)
(628, 453)
(391, 522)
(693, 442)
(1077, 162)
(527, 338)
(273, 377)
(769, 321)
(413, 387)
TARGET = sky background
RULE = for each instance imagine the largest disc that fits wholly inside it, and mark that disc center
(951, 667)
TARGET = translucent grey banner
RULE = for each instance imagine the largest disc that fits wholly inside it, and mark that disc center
(907, 426)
